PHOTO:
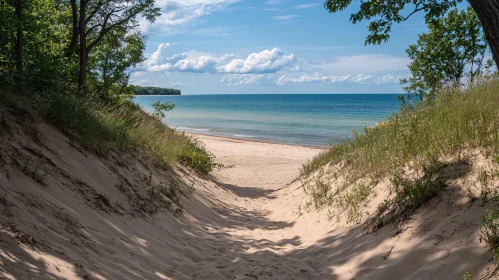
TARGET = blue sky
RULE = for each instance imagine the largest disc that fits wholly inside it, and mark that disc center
(269, 46)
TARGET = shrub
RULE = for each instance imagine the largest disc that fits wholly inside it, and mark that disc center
(490, 232)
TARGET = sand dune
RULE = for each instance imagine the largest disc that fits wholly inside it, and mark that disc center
(244, 223)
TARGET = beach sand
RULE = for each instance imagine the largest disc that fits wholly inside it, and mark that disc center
(245, 222)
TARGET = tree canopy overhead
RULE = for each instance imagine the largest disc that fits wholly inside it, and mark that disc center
(450, 54)
(383, 14)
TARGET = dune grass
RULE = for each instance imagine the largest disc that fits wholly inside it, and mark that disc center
(454, 121)
(425, 137)
(109, 125)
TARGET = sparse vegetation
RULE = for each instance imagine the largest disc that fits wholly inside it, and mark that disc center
(447, 127)
(490, 234)
(354, 201)
(409, 195)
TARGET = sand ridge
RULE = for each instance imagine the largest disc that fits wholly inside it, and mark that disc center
(243, 223)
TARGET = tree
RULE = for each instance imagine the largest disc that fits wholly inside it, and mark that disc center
(97, 18)
(452, 50)
(114, 59)
(386, 13)
(32, 36)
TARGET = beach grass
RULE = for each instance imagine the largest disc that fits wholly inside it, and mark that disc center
(117, 125)
(455, 121)
(425, 138)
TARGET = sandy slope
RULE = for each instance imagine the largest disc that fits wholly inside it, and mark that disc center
(241, 224)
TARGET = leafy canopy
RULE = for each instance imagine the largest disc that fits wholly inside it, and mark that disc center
(384, 13)
(451, 54)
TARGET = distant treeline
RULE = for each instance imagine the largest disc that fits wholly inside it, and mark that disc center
(138, 90)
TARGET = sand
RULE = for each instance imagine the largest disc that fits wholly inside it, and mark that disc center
(244, 222)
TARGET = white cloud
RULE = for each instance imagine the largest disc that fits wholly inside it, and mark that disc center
(154, 58)
(305, 6)
(272, 2)
(285, 17)
(188, 62)
(175, 13)
(359, 78)
(242, 79)
(267, 61)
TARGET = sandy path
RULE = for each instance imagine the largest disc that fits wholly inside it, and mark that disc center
(242, 224)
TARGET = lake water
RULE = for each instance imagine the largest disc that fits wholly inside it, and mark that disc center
(304, 119)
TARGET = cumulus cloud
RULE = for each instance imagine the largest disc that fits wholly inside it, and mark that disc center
(155, 57)
(266, 61)
(187, 62)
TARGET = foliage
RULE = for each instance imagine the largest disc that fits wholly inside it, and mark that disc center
(138, 90)
(467, 276)
(45, 38)
(100, 19)
(161, 108)
(452, 50)
(113, 61)
(384, 14)
(353, 201)
(490, 232)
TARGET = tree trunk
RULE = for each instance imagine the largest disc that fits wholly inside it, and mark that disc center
(74, 36)
(19, 45)
(488, 14)
(82, 77)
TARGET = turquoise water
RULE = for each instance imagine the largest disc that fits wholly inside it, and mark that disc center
(305, 119)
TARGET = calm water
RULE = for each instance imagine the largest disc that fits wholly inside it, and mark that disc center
(306, 119)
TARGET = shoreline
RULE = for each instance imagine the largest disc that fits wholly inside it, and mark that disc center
(232, 139)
